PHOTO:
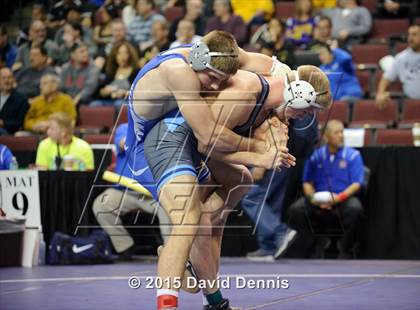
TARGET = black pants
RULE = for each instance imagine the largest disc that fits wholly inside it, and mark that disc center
(343, 220)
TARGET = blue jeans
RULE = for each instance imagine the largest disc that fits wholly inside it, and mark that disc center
(263, 205)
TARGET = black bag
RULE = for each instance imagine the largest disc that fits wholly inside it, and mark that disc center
(67, 250)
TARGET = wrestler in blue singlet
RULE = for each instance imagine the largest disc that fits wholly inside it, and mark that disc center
(171, 147)
(139, 127)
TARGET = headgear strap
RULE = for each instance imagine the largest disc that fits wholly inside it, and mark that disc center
(200, 57)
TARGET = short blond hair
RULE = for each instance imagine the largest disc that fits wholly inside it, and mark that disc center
(318, 80)
(223, 42)
(63, 120)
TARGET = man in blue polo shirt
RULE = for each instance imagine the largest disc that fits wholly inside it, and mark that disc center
(332, 177)
(6, 157)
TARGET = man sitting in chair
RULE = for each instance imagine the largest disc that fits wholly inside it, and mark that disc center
(332, 177)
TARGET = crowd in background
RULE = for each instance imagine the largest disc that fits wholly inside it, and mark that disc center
(95, 48)
(73, 53)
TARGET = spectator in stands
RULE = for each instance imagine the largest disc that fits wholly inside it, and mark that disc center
(37, 37)
(79, 77)
(114, 7)
(121, 70)
(49, 102)
(102, 33)
(339, 67)
(185, 34)
(38, 13)
(301, 26)
(62, 144)
(194, 13)
(337, 170)
(128, 13)
(2, 59)
(350, 21)
(60, 10)
(406, 68)
(118, 35)
(255, 12)
(397, 9)
(28, 79)
(13, 104)
(8, 49)
(70, 34)
(6, 157)
(271, 40)
(140, 26)
(324, 4)
(322, 34)
(117, 201)
(158, 43)
(225, 20)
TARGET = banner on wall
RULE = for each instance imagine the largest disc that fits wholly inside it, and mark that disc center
(19, 195)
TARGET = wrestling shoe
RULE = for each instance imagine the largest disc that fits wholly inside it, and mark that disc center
(222, 305)
(285, 244)
(188, 273)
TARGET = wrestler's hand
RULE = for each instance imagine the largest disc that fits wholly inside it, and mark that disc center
(279, 136)
(275, 158)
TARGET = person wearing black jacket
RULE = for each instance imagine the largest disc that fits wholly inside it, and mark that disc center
(13, 105)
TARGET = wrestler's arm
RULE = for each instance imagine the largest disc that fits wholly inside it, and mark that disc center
(261, 63)
(271, 131)
(183, 82)
(275, 133)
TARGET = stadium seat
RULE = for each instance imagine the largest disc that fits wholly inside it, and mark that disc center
(173, 13)
(307, 58)
(24, 143)
(98, 139)
(365, 78)
(395, 88)
(285, 10)
(368, 55)
(387, 28)
(411, 113)
(368, 137)
(394, 137)
(122, 116)
(339, 111)
(95, 119)
(370, 4)
(366, 114)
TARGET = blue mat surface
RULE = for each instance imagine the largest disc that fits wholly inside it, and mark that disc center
(312, 284)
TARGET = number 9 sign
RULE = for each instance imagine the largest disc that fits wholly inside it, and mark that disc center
(19, 195)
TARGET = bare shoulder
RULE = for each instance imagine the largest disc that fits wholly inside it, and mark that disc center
(245, 84)
(179, 75)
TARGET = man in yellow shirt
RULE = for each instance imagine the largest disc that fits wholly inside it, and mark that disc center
(62, 150)
(50, 101)
(253, 10)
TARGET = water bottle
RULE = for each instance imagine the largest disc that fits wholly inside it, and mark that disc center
(82, 165)
(14, 164)
(42, 251)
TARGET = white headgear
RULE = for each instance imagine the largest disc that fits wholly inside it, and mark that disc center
(200, 57)
(300, 94)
